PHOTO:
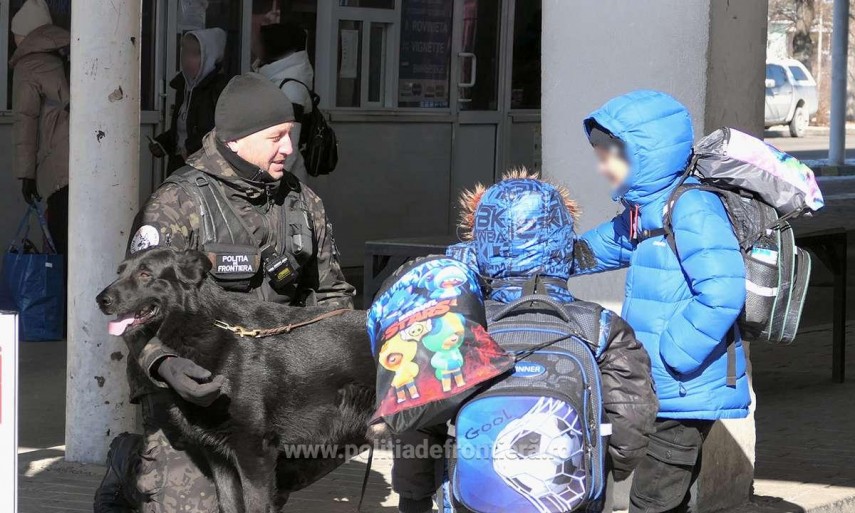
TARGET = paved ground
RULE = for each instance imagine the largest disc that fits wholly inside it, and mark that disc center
(804, 448)
(813, 146)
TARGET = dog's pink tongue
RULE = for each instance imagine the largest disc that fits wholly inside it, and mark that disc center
(119, 326)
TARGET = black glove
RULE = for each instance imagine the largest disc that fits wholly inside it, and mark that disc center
(190, 381)
(29, 190)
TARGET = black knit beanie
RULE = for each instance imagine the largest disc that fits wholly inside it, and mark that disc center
(281, 39)
(248, 104)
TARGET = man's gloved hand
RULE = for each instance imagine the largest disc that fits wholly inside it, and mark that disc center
(29, 190)
(190, 381)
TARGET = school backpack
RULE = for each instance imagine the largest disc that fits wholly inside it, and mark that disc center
(535, 442)
(318, 143)
(427, 328)
(762, 188)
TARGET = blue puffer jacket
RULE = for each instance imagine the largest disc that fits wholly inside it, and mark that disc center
(681, 308)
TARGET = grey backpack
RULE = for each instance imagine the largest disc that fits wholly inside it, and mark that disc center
(761, 189)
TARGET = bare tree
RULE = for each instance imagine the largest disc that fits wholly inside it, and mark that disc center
(801, 14)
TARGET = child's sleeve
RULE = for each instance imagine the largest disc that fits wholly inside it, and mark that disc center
(629, 398)
(604, 248)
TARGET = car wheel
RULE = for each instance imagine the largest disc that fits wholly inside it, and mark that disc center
(799, 123)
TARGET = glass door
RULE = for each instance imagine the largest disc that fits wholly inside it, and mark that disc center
(479, 33)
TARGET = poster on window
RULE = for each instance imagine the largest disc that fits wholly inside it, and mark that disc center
(349, 54)
(425, 60)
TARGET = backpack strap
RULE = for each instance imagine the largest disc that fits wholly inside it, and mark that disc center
(286, 80)
(316, 100)
(731, 357)
(537, 285)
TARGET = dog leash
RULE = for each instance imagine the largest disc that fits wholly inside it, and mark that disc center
(365, 477)
(269, 332)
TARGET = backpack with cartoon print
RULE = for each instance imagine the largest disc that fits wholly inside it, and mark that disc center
(428, 333)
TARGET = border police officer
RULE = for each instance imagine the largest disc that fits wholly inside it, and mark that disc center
(266, 233)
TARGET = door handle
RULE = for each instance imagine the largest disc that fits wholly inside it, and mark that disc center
(473, 67)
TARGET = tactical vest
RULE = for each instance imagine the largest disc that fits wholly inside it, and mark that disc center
(230, 244)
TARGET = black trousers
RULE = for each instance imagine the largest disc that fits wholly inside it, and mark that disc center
(416, 474)
(663, 479)
(57, 219)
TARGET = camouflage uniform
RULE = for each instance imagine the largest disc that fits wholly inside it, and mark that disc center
(169, 477)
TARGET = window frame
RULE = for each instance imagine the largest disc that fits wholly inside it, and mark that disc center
(327, 41)
(369, 16)
(783, 70)
(4, 56)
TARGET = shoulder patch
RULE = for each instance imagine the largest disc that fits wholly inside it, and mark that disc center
(146, 237)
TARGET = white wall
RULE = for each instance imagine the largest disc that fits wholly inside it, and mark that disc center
(593, 51)
(709, 54)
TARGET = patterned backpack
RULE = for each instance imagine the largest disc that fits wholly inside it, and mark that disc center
(762, 188)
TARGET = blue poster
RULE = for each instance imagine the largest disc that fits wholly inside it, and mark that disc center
(425, 60)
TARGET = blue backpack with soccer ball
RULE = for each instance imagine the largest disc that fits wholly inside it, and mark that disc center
(535, 442)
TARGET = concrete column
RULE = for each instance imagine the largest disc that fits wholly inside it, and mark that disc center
(839, 76)
(103, 196)
(710, 55)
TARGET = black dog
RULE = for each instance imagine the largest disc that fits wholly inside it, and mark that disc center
(312, 387)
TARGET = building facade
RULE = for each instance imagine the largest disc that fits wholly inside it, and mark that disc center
(426, 97)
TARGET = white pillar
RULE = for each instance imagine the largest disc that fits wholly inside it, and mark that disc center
(710, 56)
(839, 76)
(103, 197)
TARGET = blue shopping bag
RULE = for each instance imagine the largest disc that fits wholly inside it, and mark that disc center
(36, 282)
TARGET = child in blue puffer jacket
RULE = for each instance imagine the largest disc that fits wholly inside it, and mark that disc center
(682, 306)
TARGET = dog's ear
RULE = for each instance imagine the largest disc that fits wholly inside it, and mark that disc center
(192, 266)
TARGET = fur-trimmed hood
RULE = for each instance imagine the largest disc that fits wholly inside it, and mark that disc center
(518, 228)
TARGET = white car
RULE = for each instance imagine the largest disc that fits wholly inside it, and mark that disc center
(791, 97)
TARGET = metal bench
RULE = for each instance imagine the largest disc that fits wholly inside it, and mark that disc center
(830, 247)
(382, 257)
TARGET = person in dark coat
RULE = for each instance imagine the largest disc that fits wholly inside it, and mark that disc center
(530, 233)
(197, 89)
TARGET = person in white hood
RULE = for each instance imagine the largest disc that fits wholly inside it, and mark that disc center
(283, 56)
(197, 88)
